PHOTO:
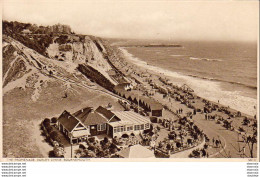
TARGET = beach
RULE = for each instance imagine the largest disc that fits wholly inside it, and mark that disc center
(213, 127)
(239, 92)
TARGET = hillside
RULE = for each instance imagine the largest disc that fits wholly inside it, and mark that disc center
(45, 71)
(27, 56)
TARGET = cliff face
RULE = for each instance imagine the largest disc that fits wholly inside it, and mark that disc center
(32, 59)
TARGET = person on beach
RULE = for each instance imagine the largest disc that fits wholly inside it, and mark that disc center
(220, 142)
(213, 141)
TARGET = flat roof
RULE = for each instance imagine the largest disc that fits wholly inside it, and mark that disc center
(129, 118)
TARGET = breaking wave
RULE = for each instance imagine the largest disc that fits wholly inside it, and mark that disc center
(230, 82)
(204, 59)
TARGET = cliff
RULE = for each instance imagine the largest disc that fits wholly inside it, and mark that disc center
(34, 55)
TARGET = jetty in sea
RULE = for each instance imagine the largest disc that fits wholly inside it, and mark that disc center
(154, 45)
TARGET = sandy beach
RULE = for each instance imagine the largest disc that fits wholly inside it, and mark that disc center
(232, 141)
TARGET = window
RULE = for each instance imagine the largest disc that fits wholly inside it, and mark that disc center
(147, 126)
(137, 127)
(101, 127)
(117, 129)
(142, 127)
(130, 128)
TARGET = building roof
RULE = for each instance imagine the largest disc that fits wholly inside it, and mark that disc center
(133, 94)
(129, 118)
(154, 105)
(83, 113)
(122, 85)
(106, 113)
(111, 72)
(90, 117)
(94, 118)
(68, 121)
(136, 151)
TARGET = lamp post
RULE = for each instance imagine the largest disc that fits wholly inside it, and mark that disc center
(138, 99)
(71, 149)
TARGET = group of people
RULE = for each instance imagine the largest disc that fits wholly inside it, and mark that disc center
(216, 142)
(179, 111)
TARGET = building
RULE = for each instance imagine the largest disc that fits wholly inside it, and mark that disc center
(89, 122)
(136, 151)
(95, 121)
(72, 128)
(124, 86)
(129, 122)
(150, 105)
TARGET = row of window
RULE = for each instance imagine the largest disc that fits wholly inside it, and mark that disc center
(130, 128)
(101, 127)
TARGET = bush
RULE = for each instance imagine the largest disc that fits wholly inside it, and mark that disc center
(105, 140)
(151, 133)
(101, 154)
(91, 148)
(58, 151)
(171, 136)
(81, 146)
(51, 154)
(178, 144)
(112, 150)
(54, 120)
(168, 146)
(125, 136)
(49, 128)
(91, 139)
(62, 39)
(46, 122)
(54, 135)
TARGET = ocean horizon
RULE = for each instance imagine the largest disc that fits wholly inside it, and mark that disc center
(218, 71)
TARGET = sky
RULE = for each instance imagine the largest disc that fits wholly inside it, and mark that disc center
(168, 20)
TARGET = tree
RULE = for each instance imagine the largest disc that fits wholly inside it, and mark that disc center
(54, 120)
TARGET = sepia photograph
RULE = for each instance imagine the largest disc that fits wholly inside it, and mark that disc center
(141, 80)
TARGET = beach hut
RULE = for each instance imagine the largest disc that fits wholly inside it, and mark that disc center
(136, 151)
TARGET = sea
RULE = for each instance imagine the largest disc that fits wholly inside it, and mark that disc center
(218, 71)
